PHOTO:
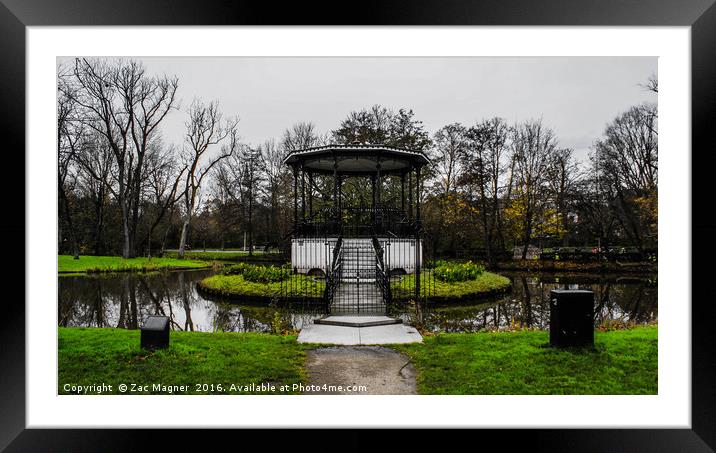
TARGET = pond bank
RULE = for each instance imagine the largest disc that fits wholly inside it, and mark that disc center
(230, 255)
(487, 284)
(301, 288)
(573, 266)
(237, 288)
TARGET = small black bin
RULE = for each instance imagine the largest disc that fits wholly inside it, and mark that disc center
(571, 318)
(155, 333)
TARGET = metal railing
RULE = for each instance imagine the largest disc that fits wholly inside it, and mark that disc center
(333, 273)
(355, 222)
(382, 274)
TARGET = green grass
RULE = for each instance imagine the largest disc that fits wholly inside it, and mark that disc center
(237, 285)
(113, 356)
(67, 264)
(486, 283)
(510, 363)
(238, 255)
(517, 363)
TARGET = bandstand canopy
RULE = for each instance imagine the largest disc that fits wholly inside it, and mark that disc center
(356, 159)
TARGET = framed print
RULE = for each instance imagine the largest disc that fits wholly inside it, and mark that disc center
(423, 216)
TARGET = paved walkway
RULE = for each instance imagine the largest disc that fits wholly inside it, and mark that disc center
(367, 335)
(364, 370)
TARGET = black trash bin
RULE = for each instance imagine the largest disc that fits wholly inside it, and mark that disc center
(155, 333)
(571, 318)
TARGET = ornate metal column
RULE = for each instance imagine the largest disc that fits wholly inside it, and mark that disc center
(340, 196)
(417, 196)
(372, 200)
(310, 194)
(402, 194)
(410, 194)
(418, 256)
(303, 193)
(378, 205)
(295, 197)
(336, 209)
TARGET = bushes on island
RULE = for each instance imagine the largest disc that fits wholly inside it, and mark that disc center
(259, 274)
(451, 272)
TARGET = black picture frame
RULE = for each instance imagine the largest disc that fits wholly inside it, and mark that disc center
(700, 15)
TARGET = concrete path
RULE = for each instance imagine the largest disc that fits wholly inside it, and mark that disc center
(365, 370)
(348, 335)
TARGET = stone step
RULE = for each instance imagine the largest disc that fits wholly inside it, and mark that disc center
(341, 335)
(358, 321)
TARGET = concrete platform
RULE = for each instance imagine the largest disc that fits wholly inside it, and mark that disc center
(351, 336)
(358, 321)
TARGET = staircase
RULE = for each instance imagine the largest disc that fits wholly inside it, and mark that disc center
(358, 260)
(357, 290)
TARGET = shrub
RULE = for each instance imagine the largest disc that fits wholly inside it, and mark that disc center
(259, 274)
(447, 271)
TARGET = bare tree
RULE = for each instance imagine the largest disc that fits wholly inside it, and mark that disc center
(223, 207)
(652, 84)
(163, 181)
(483, 168)
(627, 161)
(250, 185)
(277, 178)
(301, 135)
(241, 176)
(563, 176)
(126, 107)
(533, 147)
(95, 164)
(449, 144)
(154, 98)
(70, 135)
(205, 129)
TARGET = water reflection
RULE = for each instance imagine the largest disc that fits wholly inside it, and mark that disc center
(628, 300)
(124, 300)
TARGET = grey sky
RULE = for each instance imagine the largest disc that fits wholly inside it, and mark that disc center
(576, 96)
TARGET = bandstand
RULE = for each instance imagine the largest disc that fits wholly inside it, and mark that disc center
(356, 211)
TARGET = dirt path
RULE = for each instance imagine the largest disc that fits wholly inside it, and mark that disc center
(381, 370)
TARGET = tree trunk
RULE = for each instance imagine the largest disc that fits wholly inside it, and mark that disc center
(99, 226)
(127, 246)
(182, 241)
(527, 239)
(68, 217)
(251, 229)
(164, 238)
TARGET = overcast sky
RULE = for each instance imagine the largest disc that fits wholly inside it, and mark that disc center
(575, 96)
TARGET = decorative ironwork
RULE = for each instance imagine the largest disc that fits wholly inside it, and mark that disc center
(365, 254)
(333, 274)
(381, 272)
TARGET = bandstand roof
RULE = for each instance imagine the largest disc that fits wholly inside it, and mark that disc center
(357, 159)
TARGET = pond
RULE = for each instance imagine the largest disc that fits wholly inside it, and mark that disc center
(123, 300)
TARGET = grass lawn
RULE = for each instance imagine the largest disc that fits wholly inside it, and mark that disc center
(487, 283)
(113, 356)
(67, 264)
(236, 255)
(237, 285)
(517, 363)
(510, 363)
